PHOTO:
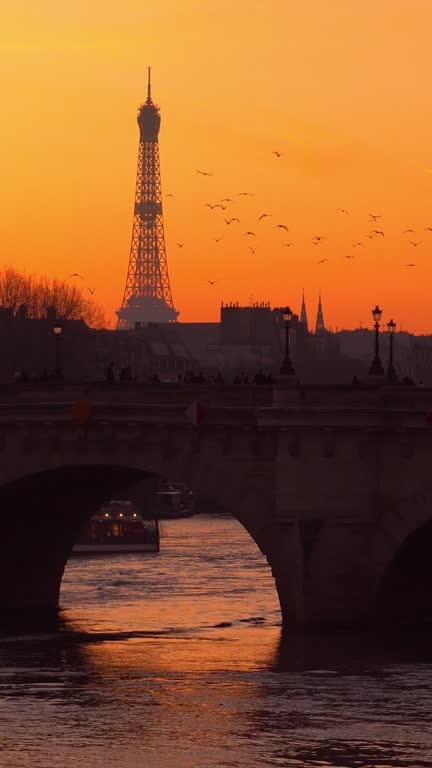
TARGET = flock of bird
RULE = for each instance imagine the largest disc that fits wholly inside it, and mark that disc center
(316, 240)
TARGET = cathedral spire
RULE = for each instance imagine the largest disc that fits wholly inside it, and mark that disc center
(303, 313)
(319, 326)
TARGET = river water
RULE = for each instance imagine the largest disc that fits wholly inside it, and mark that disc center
(175, 659)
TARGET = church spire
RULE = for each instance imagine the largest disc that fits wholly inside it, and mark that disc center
(320, 317)
(303, 313)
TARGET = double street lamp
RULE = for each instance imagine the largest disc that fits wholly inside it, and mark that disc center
(57, 329)
(376, 368)
(287, 368)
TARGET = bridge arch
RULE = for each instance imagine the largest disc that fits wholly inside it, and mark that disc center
(403, 556)
(405, 593)
(42, 513)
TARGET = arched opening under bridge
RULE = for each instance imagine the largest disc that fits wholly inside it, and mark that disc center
(42, 514)
(405, 594)
(42, 517)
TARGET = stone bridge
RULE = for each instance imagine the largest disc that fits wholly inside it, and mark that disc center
(333, 485)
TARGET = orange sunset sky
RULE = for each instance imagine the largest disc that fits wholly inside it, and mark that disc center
(341, 87)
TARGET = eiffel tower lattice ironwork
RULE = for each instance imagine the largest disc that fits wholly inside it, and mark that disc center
(147, 296)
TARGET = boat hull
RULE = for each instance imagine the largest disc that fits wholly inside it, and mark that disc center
(165, 515)
(112, 549)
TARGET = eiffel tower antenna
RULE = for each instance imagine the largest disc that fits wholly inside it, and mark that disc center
(149, 98)
(147, 296)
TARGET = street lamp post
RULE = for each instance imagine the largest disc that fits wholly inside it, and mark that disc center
(391, 373)
(287, 368)
(376, 368)
(57, 328)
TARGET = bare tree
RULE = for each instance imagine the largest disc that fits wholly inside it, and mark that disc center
(14, 289)
(40, 293)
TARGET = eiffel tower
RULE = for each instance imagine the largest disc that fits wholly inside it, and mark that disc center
(147, 296)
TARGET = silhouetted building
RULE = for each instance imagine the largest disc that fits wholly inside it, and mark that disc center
(29, 349)
(246, 340)
(418, 364)
(253, 326)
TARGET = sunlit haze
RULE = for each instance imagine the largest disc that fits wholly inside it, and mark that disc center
(341, 88)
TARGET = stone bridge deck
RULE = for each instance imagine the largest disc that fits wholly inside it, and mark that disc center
(330, 482)
(251, 406)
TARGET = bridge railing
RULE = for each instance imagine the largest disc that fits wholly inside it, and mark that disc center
(279, 396)
(175, 394)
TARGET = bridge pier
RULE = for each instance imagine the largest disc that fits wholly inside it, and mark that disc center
(322, 573)
(29, 597)
(280, 543)
(285, 558)
(339, 589)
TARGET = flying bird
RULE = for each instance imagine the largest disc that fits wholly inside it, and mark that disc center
(406, 231)
(342, 210)
(169, 194)
(428, 229)
(321, 261)
(374, 216)
(75, 274)
(416, 244)
(351, 256)
(217, 239)
(209, 205)
(246, 194)
(180, 245)
(252, 249)
(287, 245)
(282, 226)
(264, 216)
(250, 233)
(377, 232)
(357, 244)
(204, 173)
(278, 154)
(227, 200)
(91, 291)
(410, 265)
(230, 221)
(212, 282)
(319, 237)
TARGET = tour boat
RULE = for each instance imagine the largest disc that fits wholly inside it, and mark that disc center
(118, 528)
(174, 500)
